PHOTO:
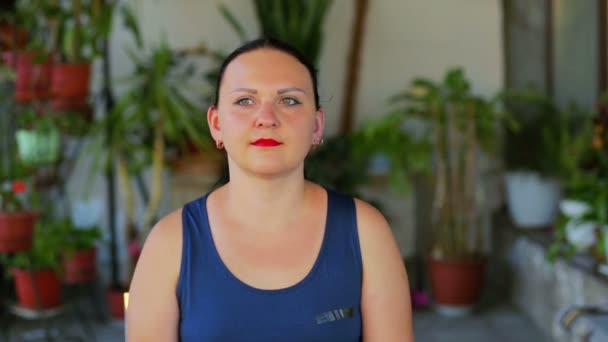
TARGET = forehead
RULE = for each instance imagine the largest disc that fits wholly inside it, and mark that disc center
(266, 67)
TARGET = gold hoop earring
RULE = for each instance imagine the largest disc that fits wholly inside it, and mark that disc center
(219, 144)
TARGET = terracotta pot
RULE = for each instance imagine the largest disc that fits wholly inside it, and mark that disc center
(71, 82)
(17, 231)
(37, 289)
(80, 267)
(116, 303)
(33, 79)
(74, 104)
(456, 282)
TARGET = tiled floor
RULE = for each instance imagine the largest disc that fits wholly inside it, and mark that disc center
(500, 324)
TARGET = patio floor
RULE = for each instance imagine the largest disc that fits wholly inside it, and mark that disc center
(500, 324)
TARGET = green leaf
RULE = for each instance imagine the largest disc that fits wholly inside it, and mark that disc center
(234, 23)
(131, 23)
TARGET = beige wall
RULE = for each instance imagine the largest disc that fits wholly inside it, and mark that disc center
(411, 38)
(403, 39)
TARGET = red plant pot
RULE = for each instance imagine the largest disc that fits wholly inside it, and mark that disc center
(33, 79)
(80, 267)
(17, 231)
(71, 81)
(116, 302)
(71, 104)
(456, 282)
(37, 289)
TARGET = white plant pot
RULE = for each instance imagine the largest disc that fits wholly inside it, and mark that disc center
(573, 208)
(86, 212)
(532, 200)
(581, 235)
(36, 147)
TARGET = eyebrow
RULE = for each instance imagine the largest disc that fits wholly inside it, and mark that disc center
(246, 90)
(280, 91)
(286, 90)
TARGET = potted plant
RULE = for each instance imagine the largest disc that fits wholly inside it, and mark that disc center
(12, 37)
(79, 253)
(461, 126)
(153, 113)
(156, 111)
(80, 27)
(538, 155)
(32, 63)
(38, 141)
(583, 224)
(36, 272)
(16, 220)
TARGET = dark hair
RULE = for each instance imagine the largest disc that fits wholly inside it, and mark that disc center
(268, 43)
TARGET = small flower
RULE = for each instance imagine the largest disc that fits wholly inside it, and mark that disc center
(18, 187)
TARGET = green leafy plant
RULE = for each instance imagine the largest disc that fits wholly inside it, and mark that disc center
(45, 252)
(461, 126)
(12, 197)
(16, 194)
(408, 155)
(77, 238)
(546, 137)
(588, 183)
(157, 111)
(77, 27)
(297, 22)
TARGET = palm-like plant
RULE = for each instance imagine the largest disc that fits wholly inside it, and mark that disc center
(156, 111)
(462, 125)
(297, 22)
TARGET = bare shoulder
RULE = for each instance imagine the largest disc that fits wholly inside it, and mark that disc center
(372, 224)
(385, 302)
(167, 232)
(379, 248)
(163, 246)
(152, 300)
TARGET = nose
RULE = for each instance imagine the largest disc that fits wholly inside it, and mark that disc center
(267, 117)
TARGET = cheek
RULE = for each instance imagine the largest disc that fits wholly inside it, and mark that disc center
(232, 122)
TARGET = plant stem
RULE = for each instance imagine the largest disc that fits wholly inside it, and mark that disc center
(469, 189)
(77, 24)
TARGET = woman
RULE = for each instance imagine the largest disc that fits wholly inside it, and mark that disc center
(269, 256)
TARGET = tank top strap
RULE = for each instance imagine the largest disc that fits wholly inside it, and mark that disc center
(196, 242)
(342, 235)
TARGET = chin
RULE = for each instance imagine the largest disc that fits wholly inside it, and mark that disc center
(271, 167)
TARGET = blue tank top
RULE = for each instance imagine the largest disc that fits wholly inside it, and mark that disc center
(214, 305)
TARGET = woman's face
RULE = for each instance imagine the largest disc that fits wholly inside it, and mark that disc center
(266, 114)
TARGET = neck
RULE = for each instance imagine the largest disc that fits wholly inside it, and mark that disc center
(273, 200)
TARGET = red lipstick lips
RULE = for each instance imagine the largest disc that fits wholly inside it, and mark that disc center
(266, 143)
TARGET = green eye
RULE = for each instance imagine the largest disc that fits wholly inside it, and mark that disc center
(244, 101)
(290, 101)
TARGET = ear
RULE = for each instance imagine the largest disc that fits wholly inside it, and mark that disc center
(319, 126)
(213, 121)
